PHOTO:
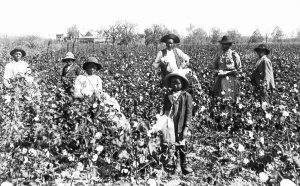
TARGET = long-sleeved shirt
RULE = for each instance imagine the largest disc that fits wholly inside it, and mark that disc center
(262, 74)
(69, 74)
(170, 59)
(180, 107)
(86, 85)
(15, 70)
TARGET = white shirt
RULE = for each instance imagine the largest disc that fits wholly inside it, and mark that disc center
(170, 59)
(86, 85)
(15, 70)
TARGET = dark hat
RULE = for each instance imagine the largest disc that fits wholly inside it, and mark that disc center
(262, 47)
(69, 55)
(178, 73)
(170, 36)
(18, 49)
(226, 40)
(92, 60)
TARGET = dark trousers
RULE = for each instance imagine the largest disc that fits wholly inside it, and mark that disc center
(261, 94)
(181, 151)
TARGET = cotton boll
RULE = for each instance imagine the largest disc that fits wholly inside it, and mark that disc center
(287, 182)
(151, 182)
(6, 183)
(241, 148)
(263, 177)
(99, 149)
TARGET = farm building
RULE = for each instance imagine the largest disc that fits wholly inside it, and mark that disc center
(59, 37)
(91, 37)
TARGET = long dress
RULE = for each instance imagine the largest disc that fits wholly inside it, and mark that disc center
(227, 84)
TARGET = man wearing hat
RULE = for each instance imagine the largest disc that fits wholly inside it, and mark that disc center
(88, 84)
(262, 77)
(170, 58)
(69, 72)
(16, 68)
(227, 65)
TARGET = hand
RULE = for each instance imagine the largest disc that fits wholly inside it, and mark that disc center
(186, 133)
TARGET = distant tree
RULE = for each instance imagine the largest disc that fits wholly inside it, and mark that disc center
(215, 35)
(126, 33)
(277, 34)
(73, 32)
(234, 35)
(195, 36)
(121, 32)
(256, 37)
(154, 33)
(298, 36)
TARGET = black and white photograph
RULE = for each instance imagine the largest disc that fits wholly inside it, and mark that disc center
(149, 93)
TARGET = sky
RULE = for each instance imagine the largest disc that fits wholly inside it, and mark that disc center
(46, 18)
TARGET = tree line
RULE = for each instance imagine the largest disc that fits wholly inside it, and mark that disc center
(124, 33)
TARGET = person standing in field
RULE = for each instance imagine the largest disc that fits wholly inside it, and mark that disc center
(170, 58)
(262, 77)
(69, 72)
(178, 104)
(227, 66)
(16, 69)
(88, 84)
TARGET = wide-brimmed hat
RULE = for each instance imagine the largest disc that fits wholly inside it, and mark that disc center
(69, 55)
(18, 49)
(226, 40)
(178, 73)
(262, 47)
(92, 60)
(165, 38)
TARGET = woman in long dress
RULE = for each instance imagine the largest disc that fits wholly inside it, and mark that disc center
(227, 66)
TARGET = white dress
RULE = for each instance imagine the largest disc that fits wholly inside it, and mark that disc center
(86, 85)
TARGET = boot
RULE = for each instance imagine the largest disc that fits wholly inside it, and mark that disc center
(185, 169)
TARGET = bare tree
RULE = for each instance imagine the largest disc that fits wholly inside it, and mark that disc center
(277, 34)
(126, 33)
(73, 32)
(195, 36)
(215, 35)
(234, 35)
(154, 33)
(121, 32)
(256, 37)
(298, 35)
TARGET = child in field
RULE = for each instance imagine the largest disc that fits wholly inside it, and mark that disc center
(70, 71)
(88, 84)
(16, 69)
(178, 105)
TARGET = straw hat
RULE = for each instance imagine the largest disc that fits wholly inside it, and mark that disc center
(92, 60)
(262, 47)
(18, 49)
(226, 40)
(165, 38)
(69, 55)
(178, 73)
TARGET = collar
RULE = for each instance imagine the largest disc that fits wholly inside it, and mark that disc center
(13, 61)
(174, 96)
(228, 51)
(86, 75)
(260, 60)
